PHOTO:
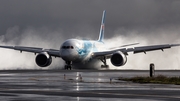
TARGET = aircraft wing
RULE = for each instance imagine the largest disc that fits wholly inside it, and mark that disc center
(52, 52)
(135, 50)
(150, 48)
(124, 46)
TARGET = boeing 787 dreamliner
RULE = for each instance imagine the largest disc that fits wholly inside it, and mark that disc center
(74, 51)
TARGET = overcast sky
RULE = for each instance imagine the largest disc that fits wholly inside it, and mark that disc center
(47, 23)
(85, 15)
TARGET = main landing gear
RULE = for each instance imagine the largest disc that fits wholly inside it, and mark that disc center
(68, 65)
(104, 61)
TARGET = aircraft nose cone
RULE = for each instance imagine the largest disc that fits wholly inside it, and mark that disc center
(68, 55)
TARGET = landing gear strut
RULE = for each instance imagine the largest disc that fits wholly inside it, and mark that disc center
(105, 64)
(68, 65)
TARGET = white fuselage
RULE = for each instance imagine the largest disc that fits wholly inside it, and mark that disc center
(79, 50)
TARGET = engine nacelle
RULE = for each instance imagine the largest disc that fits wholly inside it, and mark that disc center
(43, 59)
(118, 59)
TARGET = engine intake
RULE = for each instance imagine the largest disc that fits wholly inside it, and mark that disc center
(118, 59)
(43, 59)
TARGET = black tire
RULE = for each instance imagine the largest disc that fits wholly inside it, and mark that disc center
(65, 67)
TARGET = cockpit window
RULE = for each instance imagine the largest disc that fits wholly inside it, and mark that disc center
(67, 47)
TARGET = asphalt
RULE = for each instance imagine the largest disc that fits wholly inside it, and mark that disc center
(80, 85)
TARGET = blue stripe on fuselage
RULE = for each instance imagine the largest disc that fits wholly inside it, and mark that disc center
(88, 46)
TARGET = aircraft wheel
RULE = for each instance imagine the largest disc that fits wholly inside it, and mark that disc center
(65, 67)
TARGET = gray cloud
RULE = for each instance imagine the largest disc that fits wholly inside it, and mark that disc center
(71, 15)
(47, 23)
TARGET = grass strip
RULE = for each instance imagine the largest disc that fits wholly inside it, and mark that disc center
(160, 79)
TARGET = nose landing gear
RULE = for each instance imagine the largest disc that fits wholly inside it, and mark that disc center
(68, 65)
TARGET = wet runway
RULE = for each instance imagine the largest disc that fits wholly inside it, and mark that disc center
(80, 85)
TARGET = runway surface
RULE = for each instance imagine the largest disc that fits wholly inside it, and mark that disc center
(80, 85)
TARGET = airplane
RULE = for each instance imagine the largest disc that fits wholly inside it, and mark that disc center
(83, 51)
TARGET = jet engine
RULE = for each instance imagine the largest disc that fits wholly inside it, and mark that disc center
(118, 59)
(43, 59)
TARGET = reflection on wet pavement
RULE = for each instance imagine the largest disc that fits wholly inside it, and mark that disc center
(82, 85)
